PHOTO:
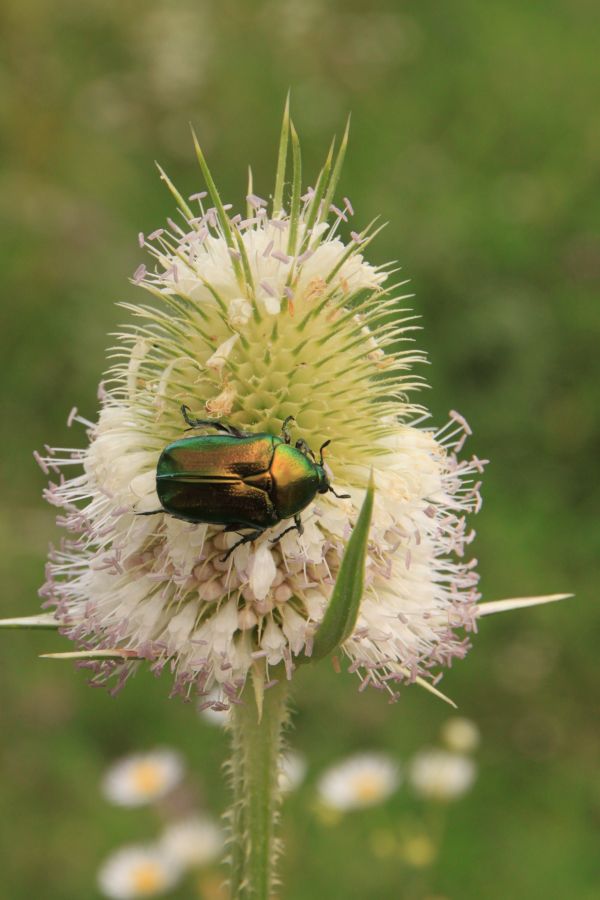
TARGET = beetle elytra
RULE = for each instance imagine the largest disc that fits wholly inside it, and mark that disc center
(238, 479)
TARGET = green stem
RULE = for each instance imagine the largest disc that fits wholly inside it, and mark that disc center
(256, 748)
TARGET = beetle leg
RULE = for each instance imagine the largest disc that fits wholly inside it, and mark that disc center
(297, 526)
(246, 539)
(210, 423)
(303, 447)
(285, 429)
(153, 512)
(185, 412)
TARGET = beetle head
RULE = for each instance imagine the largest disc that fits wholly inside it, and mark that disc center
(324, 483)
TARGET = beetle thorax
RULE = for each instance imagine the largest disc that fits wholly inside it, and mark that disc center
(295, 480)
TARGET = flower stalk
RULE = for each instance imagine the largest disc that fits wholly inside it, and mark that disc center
(254, 767)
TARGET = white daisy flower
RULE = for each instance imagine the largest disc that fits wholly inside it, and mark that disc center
(138, 871)
(193, 842)
(142, 777)
(460, 735)
(359, 781)
(292, 771)
(254, 318)
(439, 775)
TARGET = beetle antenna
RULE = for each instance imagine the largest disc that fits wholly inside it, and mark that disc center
(340, 496)
(322, 447)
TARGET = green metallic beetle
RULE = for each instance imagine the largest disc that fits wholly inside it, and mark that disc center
(239, 479)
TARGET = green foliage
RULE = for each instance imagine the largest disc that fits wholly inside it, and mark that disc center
(474, 133)
(343, 608)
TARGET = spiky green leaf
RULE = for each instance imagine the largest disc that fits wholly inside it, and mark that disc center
(296, 189)
(249, 192)
(281, 159)
(315, 203)
(337, 171)
(342, 612)
(181, 203)
(219, 208)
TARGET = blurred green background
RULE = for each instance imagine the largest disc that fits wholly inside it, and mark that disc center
(475, 133)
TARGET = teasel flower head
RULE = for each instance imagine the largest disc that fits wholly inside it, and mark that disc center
(250, 318)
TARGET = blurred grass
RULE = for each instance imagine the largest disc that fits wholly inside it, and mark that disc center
(475, 134)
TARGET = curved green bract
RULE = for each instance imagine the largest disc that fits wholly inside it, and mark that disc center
(343, 608)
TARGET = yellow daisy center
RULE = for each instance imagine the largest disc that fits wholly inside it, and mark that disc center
(147, 777)
(368, 786)
(147, 879)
